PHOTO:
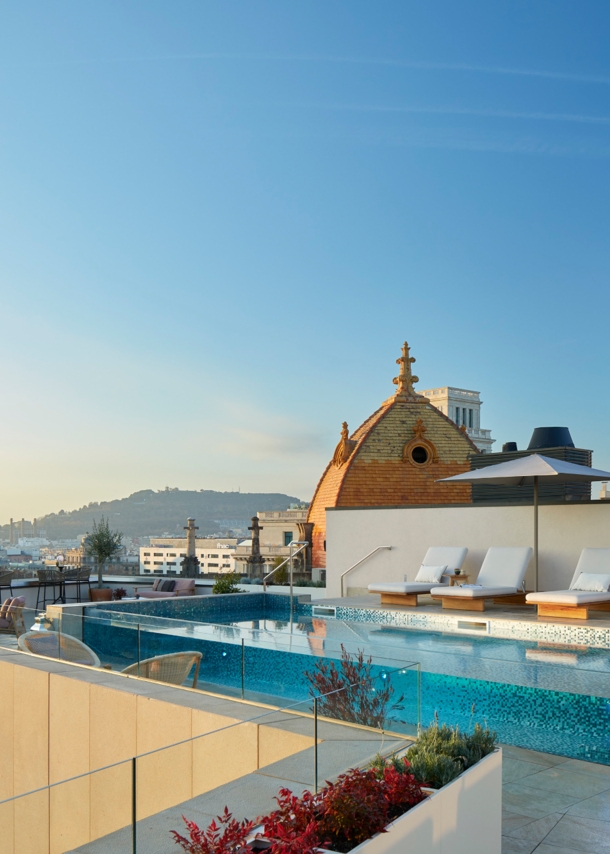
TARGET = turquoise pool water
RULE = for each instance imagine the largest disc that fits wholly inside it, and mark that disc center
(549, 697)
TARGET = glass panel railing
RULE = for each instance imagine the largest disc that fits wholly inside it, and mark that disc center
(134, 804)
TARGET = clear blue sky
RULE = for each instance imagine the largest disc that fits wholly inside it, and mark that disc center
(220, 221)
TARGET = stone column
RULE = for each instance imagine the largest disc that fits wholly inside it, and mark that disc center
(190, 564)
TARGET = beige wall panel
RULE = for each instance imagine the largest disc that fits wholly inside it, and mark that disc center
(6, 729)
(564, 530)
(31, 730)
(275, 744)
(31, 825)
(112, 731)
(208, 722)
(68, 727)
(110, 800)
(223, 756)
(7, 838)
(69, 815)
(160, 724)
(164, 779)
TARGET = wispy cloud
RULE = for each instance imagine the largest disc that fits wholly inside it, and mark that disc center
(468, 111)
(460, 67)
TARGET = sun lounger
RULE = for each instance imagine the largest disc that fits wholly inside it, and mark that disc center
(576, 602)
(449, 558)
(500, 578)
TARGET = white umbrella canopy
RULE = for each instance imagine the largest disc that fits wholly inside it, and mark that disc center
(526, 471)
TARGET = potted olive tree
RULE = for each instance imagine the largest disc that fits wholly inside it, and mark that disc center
(102, 545)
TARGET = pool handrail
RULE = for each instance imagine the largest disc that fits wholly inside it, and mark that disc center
(366, 557)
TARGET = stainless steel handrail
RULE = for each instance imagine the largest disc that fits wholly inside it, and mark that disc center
(366, 557)
(284, 562)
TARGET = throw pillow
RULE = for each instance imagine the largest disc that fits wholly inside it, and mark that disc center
(430, 574)
(592, 582)
(167, 586)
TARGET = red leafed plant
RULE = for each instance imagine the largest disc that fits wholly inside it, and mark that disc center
(344, 814)
(227, 837)
(352, 693)
(402, 790)
(354, 809)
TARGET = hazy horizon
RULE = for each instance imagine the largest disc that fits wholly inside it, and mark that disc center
(220, 223)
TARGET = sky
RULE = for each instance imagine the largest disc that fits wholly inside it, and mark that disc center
(220, 221)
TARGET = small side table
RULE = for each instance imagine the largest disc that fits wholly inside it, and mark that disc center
(458, 580)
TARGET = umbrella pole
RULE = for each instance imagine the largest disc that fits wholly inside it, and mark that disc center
(536, 533)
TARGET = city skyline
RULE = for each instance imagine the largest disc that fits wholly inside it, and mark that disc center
(220, 224)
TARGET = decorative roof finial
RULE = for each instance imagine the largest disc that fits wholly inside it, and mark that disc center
(405, 378)
(345, 448)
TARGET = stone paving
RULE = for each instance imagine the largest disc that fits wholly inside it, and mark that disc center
(554, 805)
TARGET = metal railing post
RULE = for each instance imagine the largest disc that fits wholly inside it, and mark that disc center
(134, 807)
(418, 699)
(315, 745)
(302, 545)
(139, 656)
(366, 557)
(291, 583)
(243, 667)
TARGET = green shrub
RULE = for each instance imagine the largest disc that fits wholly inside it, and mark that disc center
(226, 584)
(441, 753)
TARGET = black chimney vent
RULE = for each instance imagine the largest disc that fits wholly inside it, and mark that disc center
(550, 437)
(509, 447)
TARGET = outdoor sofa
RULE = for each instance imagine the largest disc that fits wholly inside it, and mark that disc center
(591, 593)
(164, 588)
(11, 616)
(439, 564)
(500, 578)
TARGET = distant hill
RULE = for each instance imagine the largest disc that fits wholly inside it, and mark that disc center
(156, 513)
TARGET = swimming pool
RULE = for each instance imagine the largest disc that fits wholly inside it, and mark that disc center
(540, 695)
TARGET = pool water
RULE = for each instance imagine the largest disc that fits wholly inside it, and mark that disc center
(549, 697)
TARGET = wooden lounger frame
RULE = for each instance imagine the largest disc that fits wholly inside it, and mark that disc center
(570, 612)
(400, 599)
(467, 603)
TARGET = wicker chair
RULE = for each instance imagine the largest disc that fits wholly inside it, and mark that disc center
(5, 582)
(55, 645)
(173, 668)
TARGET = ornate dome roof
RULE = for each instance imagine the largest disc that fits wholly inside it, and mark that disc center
(394, 458)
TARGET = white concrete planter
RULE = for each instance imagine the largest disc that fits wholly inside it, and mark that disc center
(464, 817)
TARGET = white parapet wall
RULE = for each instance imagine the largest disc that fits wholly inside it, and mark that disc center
(564, 530)
(464, 817)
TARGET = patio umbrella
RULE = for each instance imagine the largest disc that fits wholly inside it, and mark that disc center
(525, 471)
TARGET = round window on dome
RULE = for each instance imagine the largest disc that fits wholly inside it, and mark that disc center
(419, 455)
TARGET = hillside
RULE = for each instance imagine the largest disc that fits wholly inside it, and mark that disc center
(155, 513)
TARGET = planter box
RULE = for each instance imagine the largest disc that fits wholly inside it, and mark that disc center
(464, 817)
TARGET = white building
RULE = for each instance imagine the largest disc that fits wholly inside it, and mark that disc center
(464, 408)
(163, 555)
(279, 528)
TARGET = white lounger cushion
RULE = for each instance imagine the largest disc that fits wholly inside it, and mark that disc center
(590, 561)
(502, 574)
(430, 574)
(591, 582)
(403, 587)
(473, 592)
(566, 597)
(452, 556)
(505, 567)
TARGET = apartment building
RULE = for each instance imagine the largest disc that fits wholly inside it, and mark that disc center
(163, 555)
